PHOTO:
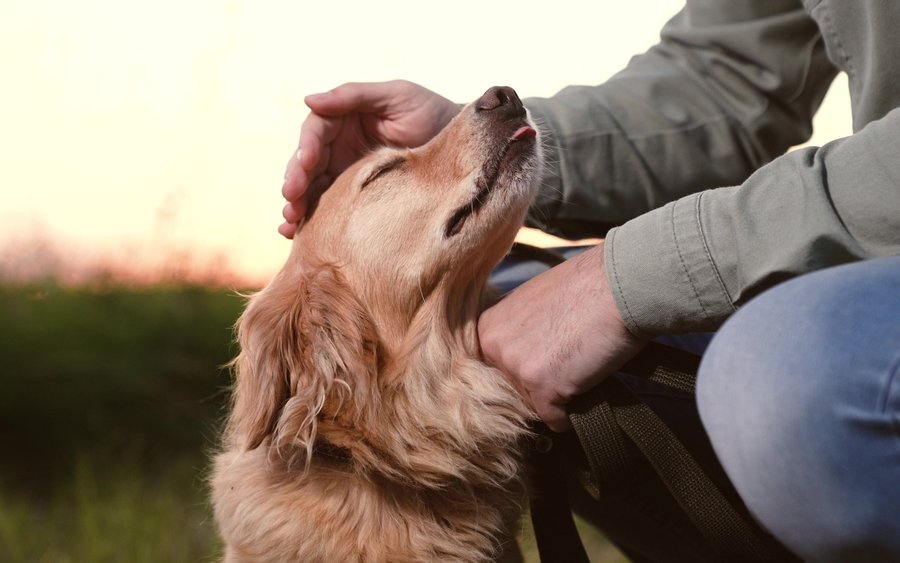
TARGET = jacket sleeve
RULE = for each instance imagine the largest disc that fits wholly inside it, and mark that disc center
(730, 86)
(686, 266)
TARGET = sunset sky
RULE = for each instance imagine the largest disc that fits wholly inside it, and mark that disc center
(138, 130)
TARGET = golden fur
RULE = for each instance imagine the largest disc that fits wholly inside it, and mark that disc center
(365, 427)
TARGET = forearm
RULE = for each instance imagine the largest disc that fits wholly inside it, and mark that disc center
(718, 97)
(688, 265)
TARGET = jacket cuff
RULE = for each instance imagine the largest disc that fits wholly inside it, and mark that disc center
(662, 274)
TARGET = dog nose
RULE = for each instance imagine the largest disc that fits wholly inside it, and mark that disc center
(500, 98)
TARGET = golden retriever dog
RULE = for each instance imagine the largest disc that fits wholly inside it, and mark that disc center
(365, 426)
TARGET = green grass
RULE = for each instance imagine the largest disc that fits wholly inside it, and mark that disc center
(112, 398)
(118, 368)
(111, 510)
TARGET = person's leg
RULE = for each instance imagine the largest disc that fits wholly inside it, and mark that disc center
(800, 395)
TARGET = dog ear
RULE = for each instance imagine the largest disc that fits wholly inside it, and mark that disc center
(306, 346)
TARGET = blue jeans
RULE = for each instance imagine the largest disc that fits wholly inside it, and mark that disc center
(799, 392)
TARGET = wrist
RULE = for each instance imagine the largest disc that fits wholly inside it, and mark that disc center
(615, 329)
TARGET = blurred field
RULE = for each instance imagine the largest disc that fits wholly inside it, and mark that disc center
(111, 400)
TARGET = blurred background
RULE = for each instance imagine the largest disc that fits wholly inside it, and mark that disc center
(142, 147)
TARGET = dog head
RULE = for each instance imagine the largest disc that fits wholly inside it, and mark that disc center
(402, 223)
(402, 237)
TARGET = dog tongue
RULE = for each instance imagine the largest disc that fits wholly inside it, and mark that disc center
(523, 132)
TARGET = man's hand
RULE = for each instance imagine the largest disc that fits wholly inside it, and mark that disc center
(347, 122)
(558, 335)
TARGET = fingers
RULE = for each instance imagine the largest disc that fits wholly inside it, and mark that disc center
(287, 230)
(373, 97)
(311, 157)
(549, 407)
(294, 211)
(295, 179)
(537, 390)
(554, 417)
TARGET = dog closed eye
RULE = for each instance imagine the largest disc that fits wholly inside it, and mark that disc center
(391, 165)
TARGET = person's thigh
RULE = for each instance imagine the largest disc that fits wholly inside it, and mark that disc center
(800, 395)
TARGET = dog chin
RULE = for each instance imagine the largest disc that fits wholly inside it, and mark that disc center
(504, 192)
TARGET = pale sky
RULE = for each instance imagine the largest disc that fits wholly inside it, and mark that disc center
(142, 129)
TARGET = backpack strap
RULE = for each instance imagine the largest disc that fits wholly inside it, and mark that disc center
(610, 414)
(614, 429)
(551, 516)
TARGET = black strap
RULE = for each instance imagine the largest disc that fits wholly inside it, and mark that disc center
(728, 532)
(551, 517)
(610, 415)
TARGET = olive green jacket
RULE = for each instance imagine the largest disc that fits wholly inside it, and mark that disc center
(730, 87)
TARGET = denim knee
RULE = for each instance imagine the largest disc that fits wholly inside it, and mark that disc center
(800, 396)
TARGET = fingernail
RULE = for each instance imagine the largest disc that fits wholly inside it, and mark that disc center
(298, 153)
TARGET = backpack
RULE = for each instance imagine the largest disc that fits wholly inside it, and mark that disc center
(637, 464)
